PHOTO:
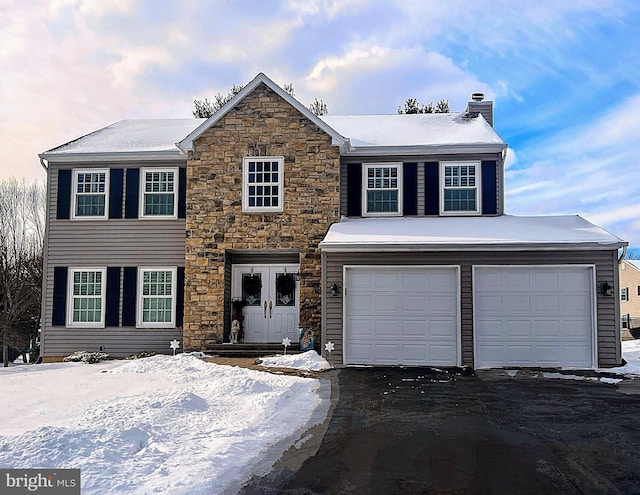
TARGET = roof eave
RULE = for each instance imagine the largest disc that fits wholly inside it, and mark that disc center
(169, 155)
(426, 149)
(336, 139)
(403, 247)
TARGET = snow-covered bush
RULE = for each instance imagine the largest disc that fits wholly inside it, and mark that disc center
(86, 357)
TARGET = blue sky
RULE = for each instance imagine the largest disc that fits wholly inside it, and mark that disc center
(564, 76)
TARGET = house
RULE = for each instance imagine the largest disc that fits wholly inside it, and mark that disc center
(387, 234)
(629, 298)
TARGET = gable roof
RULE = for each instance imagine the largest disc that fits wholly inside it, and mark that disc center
(468, 234)
(416, 133)
(634, 263)
(147, 139)
(164, 139)
(187, 143)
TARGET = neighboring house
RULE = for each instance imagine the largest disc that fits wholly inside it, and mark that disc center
(629, 297)
(385, 233)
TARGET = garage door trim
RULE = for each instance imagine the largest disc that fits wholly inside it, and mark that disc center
(594, 305)
(346, 268)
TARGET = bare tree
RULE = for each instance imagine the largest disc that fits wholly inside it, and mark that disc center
(411, 105)
(205, 108)
(318, 107)
(22, 208)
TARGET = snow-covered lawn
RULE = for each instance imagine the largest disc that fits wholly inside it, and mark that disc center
(631, 354)
(170, 425)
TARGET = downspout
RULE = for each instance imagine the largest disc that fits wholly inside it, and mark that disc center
(623, 254)
(45, 255)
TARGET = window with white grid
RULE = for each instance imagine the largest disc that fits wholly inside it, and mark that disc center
(382, 193)
(91, 189)
(159, 192)
(262, 185)
(460, 188)
(156, 302)
(624, 294)
(86, 297)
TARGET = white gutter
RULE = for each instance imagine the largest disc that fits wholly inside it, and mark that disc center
(425, 149)
(394, 248)
(129, 156)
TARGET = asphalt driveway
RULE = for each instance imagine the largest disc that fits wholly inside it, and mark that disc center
(410, 431)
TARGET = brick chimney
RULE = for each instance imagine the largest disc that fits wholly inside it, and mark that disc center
(478, 105)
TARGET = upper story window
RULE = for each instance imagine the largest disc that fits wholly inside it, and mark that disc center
(90, 193)
(460, 186)
(158, 193)
(262, 184)
(382, 189)
(157, 297)
(86, 297)
(624, 294)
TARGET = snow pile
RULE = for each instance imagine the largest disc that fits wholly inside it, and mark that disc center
(162, 424)
(631, 354)
(309, 360)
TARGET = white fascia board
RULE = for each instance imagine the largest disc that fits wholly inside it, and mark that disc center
(336, 139)
(445, 149)
(139, 156)
(359, 248)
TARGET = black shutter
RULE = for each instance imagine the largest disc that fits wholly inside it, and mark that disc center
(131, 199)
(182, 192)
(129, 296)
(180, 296)
(354, 189)
(489, 193)
(432, 188)
(410, 189)
(63, 209)
(113, 297)
(115, 193)
(58, 316)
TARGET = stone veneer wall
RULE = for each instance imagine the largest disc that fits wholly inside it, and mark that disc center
(263, 124)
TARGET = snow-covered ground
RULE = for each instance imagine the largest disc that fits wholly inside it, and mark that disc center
(631, 354)
(309, 360)
(170, 425)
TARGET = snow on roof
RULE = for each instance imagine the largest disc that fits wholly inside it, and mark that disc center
(431, 129)
(473, 233)
(131, 136)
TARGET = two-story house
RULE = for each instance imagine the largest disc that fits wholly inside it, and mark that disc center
(630, 298)
(386, 233)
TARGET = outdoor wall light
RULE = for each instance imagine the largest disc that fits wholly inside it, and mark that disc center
(607, 290)
(333, 290)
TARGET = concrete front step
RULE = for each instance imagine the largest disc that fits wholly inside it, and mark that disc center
(250, 350)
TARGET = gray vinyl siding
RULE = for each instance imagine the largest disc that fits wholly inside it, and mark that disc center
(106, 243)
(420, 160)
(608, 331)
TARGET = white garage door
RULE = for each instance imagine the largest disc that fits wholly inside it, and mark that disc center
(533, 316)
(401, 315)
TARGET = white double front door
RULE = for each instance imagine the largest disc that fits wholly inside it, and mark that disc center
(271, 295)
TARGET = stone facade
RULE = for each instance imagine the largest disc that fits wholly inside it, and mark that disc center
(262, 124)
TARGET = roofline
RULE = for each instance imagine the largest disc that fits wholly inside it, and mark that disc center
(426, 149)
(403, 247)
(170, 155)
(337, 139)
(631, 264)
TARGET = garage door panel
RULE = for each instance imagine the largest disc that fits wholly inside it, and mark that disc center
(546, 303)
(362, 328)
(388, 329)
(442, 329)
(443, 304)
(533, 316)
(411, 314)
